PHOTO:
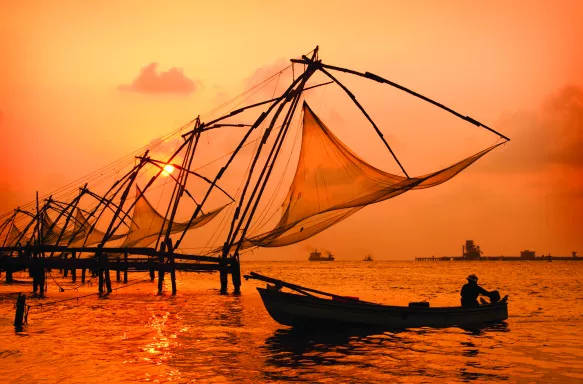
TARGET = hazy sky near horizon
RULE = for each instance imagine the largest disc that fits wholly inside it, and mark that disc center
(83, 83)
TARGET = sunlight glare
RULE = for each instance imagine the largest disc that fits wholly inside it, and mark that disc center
(168, 169)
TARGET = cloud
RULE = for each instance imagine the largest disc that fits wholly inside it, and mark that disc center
(263, 73)
(549, 136)
(151, 81)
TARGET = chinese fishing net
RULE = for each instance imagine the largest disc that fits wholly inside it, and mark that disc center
(331, 183)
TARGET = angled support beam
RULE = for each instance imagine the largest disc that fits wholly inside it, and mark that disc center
(351, 95)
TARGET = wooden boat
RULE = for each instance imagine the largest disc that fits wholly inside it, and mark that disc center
(305, 309)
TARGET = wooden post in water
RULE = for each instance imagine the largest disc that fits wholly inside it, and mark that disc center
(65, 270)
(236, 275)
(118, 271)
(100, 272)
(170, 249)
(152, 272)
(173, 274)
(125, 270)
(73, 269)
(83, 275)
(223, 275)
(20, 305)
(107, 274)
(9, 279)
(41, 278)
(160, 274)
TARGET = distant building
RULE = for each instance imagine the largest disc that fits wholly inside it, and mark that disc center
(527, 255)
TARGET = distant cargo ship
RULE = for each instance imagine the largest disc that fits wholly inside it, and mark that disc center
(317, 256)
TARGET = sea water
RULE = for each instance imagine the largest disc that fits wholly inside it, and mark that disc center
(199, 336)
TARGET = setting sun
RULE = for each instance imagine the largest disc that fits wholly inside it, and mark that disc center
(168, 169)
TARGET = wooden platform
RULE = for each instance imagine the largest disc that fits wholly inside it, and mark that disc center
(100, 261)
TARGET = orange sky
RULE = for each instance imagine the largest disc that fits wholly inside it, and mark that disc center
(69, 104)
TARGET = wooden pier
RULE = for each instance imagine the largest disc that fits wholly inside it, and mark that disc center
(105, 260)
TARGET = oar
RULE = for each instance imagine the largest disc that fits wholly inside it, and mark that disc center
(299, 288)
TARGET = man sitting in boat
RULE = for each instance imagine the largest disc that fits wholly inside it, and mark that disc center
(471, 291)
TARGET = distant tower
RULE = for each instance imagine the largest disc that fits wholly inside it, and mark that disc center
(471, 251)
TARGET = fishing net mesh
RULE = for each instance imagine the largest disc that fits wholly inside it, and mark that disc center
(331, 183)
(147, 223)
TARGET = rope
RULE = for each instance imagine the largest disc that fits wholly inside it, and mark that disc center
(81, 297)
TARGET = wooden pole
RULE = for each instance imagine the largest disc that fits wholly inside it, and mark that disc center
(20, 305)
(83, 275)
(100, 272)
(236, 275)
(160, 274)
(73, 269)
(256, 124)
(125, 270)
(107, 275)
(9, 279)
(118, 271)
(173, 275)
(379, 79)
(41, 278)
(172, 265)
(152, 271)
(224, 276)
(66, 270)
(379, 133)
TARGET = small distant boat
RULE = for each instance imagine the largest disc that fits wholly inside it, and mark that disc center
(317, 256)
(304, 309)
(368, 258)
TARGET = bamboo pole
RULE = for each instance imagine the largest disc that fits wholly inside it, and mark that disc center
(380, 134)
(160, 274)
(106, 272)
(379, 79)
(256, 124)
(118, 272)
(295, 95)
(125, 270)
(20, 305)
(73, 270)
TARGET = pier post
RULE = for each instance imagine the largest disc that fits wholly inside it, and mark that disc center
(9, 279)
(41, 279)
(160, 274)
(152, 271)
(125, 270)
(20, 305)
(34, 272)
(236, 275)
(107, 274)
(118, 270)
(83, 275)
(65, 269)
(73, 269)
(100, 272)
(223, 275)
(173, 275)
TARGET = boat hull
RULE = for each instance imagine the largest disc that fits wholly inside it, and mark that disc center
(305, 311)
